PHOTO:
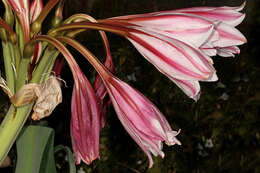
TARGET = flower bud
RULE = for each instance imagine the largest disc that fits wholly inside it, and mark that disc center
(28, 50)
(58, 15)
(8, 16)
(36, 27)
(13, 38)
(3, 35)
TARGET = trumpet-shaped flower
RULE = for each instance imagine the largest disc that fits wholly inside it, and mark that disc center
(179, 43)
(85, 121)
(141, 119)
(173, 57)
(85, 112)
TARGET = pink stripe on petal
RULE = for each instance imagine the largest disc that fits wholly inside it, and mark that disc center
(35, 9)
(229, 17)
(190, 88)
(209, 51)
(141, 119)
(228, 51)
(228, 36)
(85, 120)
(172, 59)
(195, 37)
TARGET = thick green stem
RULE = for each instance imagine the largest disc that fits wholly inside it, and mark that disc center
(49, 67)
(11, 126)
(22, 73)
(44, 66)
(17, 55)
(16, 117)
(10, 77)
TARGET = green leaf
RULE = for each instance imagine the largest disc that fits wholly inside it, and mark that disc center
(70, 156)
(35, 150)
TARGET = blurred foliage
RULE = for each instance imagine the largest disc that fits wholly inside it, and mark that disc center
(220, 133)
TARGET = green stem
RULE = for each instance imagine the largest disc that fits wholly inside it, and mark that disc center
(44, 66)
(10, 77)
(19, 33)
(49, 67)
(17, 57)
(22, 73)
(16, 117)
(11, 126)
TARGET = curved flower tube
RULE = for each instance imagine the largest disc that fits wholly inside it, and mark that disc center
(141, 119)
(85, 120)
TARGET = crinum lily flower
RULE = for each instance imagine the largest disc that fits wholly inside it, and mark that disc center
(179, 43)
(193, 32)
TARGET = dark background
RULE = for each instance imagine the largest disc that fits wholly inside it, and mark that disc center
(227, 113)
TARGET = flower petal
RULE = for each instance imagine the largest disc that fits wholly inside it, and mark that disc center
(141, 119)
(85, 121)
(190, 88)
(228, 36)
(172, 57)
(35, 9)
(228, 51)
(185, 27)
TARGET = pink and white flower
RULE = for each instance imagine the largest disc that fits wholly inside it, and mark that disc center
(141, 119)
(179, 43)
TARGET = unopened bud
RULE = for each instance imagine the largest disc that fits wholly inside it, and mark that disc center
(13, 38)
(36, 27)
(8, 15)
(58, 15)
(56, 22)
(3, 35)
(28, 50)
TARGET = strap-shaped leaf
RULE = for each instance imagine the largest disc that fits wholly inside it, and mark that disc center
(35, 150)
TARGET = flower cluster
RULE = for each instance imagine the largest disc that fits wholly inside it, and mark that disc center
(179, 43)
